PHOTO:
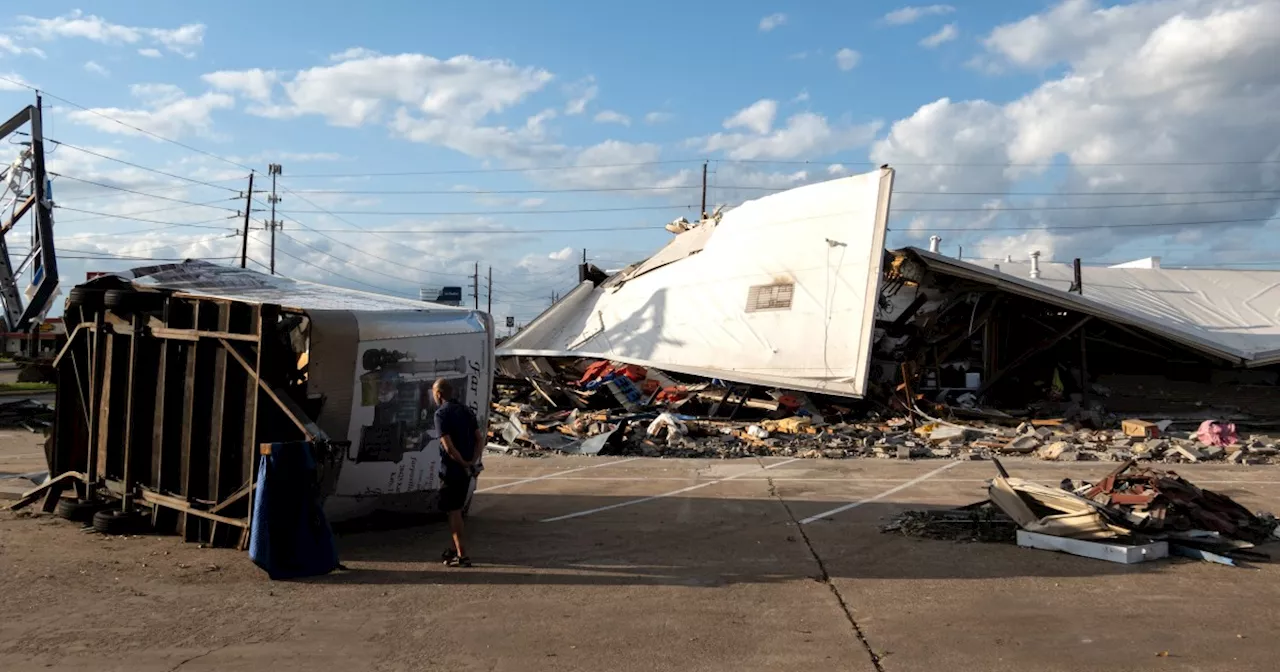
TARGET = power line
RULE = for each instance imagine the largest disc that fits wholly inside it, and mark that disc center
(166, 227)
(1104, 206)
(1212, 192)
(139, 193)
(488, 212)
(493, 231)
(468, 171)
(334, 273)
(498, 192)
(137, 212)
(352, 224)
(149, 249)
(126, 125)
(364, 252)
(1100, 226)
(142, 167)
(993, 164)
(120, 258)
(494, 192)
(347, 261)
(169, 187)
(135, 219)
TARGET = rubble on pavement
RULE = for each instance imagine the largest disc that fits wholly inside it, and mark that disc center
(1133, 506)
(581, 406)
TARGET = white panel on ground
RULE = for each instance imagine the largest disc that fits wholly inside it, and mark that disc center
(1111, 552)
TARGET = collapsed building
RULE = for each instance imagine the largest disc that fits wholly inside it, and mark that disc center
(794, 292)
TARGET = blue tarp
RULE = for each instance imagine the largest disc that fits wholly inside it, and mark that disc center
(290, 537)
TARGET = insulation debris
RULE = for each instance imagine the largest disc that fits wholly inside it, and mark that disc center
(1133, 507)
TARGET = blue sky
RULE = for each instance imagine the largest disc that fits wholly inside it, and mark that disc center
(1028, 116)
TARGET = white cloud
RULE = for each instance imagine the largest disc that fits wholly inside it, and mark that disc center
(905, 15)
(772, 21)
(945, 34)
(359, 91)
(757, 117)
(167, 111)
(523, 145)
(9, 45)
(847, 59)
(76, 24)
(654, 118)
(614, 163)
(95, 68)
(805, 134)
(354, 53)
(8, 86)
(802, 97)
(1155, 82)
(581, 93)
(445, 102)
(612, 117)
(255, 84)
(563, 254)
(150, 53)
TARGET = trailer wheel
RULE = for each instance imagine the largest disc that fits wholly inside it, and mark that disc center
(124, 300)
(77, 510)
(115, 521)
(84, 296)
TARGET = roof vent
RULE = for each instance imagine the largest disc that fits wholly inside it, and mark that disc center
(934, 242)
(1035, 265)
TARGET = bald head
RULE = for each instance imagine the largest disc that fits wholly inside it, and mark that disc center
(442, 390)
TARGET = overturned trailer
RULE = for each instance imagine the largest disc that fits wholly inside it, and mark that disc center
(175, 377)
(780, 291)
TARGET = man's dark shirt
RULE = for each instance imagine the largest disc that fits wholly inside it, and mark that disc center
(459, 424)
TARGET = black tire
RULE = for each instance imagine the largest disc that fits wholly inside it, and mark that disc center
(84, 296)
(125, 300)
(77, 510)
(115, 521)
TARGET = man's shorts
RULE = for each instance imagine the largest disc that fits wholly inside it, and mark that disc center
(453, 492)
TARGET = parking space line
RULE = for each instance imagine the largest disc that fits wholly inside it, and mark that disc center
(886, 493)
(650, 498)
(553, 475)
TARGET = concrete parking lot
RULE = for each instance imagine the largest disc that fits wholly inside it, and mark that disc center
(640, 564)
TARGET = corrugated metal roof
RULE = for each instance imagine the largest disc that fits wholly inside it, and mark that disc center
(1234, 314)
(226, 282)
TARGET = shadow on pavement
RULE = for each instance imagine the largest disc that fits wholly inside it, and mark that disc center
(683, 541)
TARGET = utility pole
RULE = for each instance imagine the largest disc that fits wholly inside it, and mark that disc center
(475, 285)
(704, 191)
(489, 292)
(584, 255)
(248, 206)
(273, 170)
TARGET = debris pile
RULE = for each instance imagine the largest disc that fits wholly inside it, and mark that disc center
(1134, 514)
(26, 413)
(976, 522)
(584, 406)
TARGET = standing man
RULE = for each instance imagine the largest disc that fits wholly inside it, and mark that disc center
(460, 446)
